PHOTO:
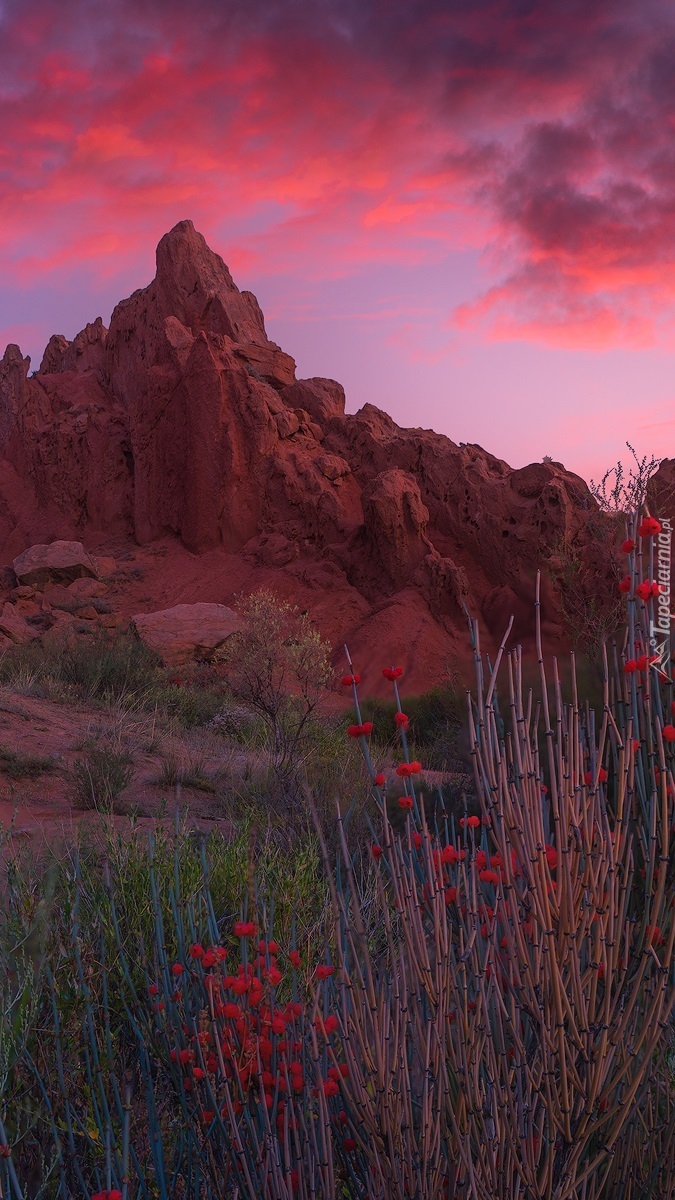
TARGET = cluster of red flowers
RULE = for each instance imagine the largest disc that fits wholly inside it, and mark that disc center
(251, 1022)
(392, 673)
(643, 663)
(244, 929)
(602, 777)
(649, 527)
(365, 730)
(349, 680)
(405, 770)
(114, 1194)
(644, 590)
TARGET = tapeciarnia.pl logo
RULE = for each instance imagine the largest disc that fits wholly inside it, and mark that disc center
(659, 626)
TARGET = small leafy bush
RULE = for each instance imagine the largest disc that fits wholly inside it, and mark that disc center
(23, 766)
(100, 776)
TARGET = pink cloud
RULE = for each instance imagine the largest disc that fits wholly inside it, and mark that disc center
(384, 134)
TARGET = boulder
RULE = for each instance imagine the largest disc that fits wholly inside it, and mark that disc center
(15, 627)
(58, 562)
(186, 631)
(87, 587)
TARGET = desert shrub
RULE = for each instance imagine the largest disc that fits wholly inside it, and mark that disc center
(189, 704)
(189, 772)
(278, 666)
(23, 766)
(100, 776)
(105, 669)
(237, 723)
(98, 667)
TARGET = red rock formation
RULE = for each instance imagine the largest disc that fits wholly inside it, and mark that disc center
(184, 425)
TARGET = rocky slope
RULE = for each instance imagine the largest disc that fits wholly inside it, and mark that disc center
(180, 439)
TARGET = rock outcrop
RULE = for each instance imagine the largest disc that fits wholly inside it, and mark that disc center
(184, 425)
(186, 631)
(58, 562)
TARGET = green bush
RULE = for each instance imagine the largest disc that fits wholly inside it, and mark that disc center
(100, 776)
(23, 766)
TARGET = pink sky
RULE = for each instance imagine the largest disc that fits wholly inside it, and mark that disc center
(464, 210)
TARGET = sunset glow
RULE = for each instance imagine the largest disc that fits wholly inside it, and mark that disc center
(464, 211)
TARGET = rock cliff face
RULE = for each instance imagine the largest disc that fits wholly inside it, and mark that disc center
(184, 426)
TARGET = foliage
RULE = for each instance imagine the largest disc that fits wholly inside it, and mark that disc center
(474, 1009)
(100, 776)
(191, 772)
(278, 666)
(621, 493)
(119, 669)
(23, 766)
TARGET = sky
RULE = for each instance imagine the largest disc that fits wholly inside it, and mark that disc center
(463, 210)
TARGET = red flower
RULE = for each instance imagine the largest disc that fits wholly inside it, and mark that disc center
(628, 545)
(329, 1025)
(403, 770)
(177, 969)
(649, 527)
(392, 673)
(653, 935)
(669, 733)
(552, 857)
(624, 585)
(450, 895)
(401, 720)
(349, 1145)
(294, 957)
(636, 745)
(208, 959)
(488, 877)
(196, 951)
(349, 680)
(153, 989)
(472, 822)
(379, 780)
(365, 730)
(243, 929)
(643, 590)
(588, 777)
(630, 665)
(656, 588)
(330, 1088)
(417, 840)
(207, 1116)
(323, 971)
(405, 802)
(376, 851)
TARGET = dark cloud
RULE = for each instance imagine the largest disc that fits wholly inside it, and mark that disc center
(553, 118)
